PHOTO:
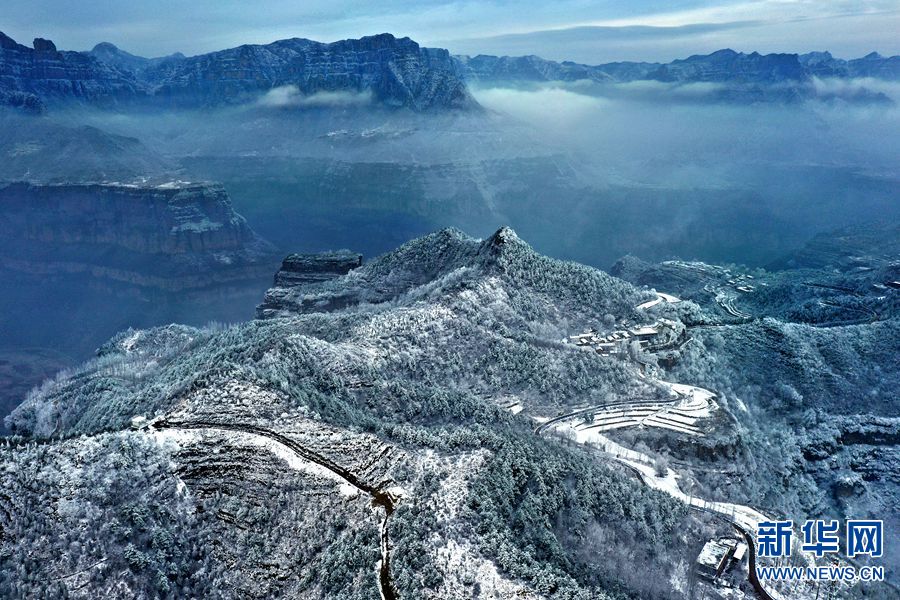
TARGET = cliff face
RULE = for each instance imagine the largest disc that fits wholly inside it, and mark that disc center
(42, 73)
(298, 269)
(397, 72)
(720, 66)
(526, 68)
(728, 65)
(737, 77)
(304, 271)
(173, 237)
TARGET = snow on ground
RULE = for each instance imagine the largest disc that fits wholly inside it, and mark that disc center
(178, 437)
(743, 515)
(128, 343)
(463, 567)
(660, 297)
(693, 405)
(184, 437)
(649, 303)
(397, 492)
(294, 461)
(454, 487)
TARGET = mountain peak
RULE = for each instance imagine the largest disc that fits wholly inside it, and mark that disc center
(105, 47)
(504, 236)
(42, 45)
(503, 245)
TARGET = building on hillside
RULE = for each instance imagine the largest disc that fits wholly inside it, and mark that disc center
(660, 334)
(719, 555)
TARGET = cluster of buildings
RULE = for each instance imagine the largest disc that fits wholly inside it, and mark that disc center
(742, 283)
(660, 334)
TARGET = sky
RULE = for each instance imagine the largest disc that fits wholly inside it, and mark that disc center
(585, 31)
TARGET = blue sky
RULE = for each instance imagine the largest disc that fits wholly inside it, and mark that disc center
(581, 30)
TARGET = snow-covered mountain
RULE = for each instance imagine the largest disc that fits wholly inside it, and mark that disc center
(394, 418)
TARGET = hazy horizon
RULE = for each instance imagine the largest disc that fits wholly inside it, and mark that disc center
(588, 33)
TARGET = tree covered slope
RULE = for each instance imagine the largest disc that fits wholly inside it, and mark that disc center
(268, 458)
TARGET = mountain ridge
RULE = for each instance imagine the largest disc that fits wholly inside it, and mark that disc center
(396, 71)
(753, 66)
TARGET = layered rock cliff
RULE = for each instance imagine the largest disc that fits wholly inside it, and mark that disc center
(173, 237)
(303, 272)
(298, 269)
(34, 76)
(397, 72)
(721, 66)
(737, 76)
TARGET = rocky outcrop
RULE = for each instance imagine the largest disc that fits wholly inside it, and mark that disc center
(24, 101)
(175, 236)
(44, 74)
(299, 269)
(397, 72)
(298, 277)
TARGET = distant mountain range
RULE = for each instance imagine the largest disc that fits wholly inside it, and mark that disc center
(720, 66)
(395, 72)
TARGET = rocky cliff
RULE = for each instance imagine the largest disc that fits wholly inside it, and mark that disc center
(823, 64)
(301, 272)
(397, 72)
(739, 77)
(175, 236)
(488, 68)
(720, 66)
(33, 76)
(298, 269)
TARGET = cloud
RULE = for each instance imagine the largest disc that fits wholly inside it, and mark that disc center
(844, 88)
(650, 29)
(594, 44)
(848, 29)
(290, 96)
(651, 130)
(568, 107)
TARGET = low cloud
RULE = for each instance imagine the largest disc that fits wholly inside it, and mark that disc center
(568, 107)
(290, 96)
(677, 135)
(849, 88)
